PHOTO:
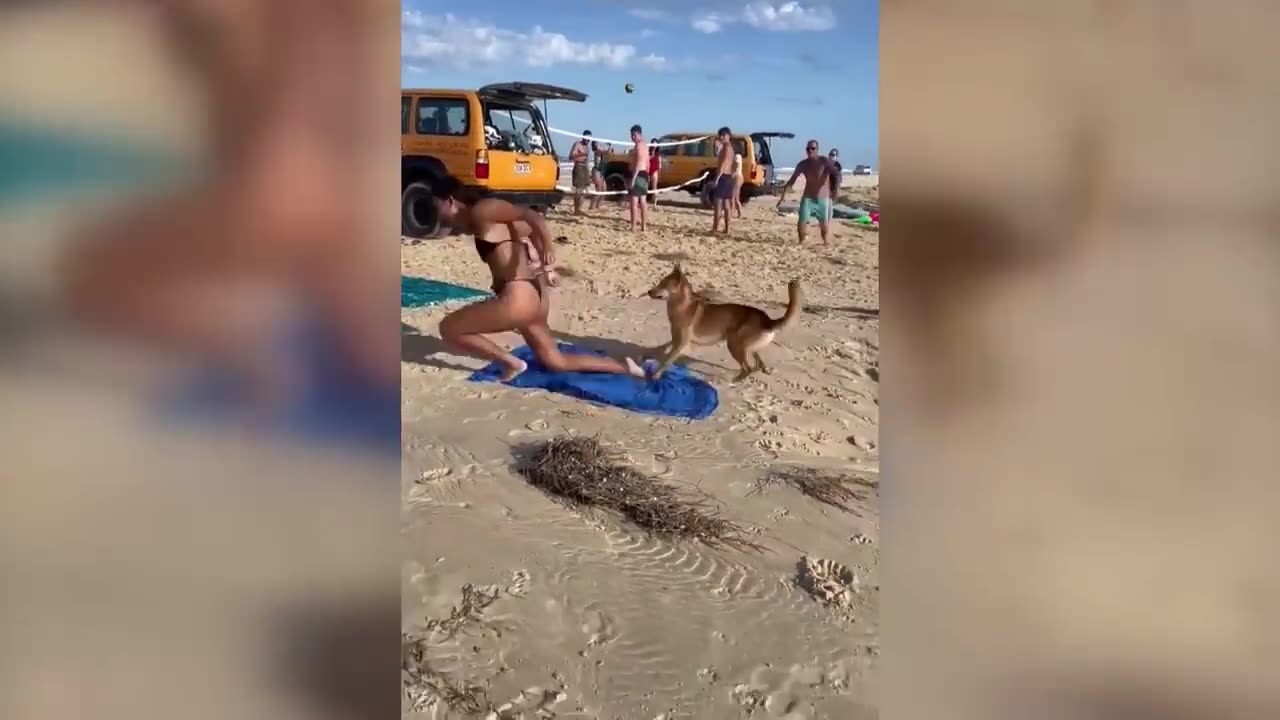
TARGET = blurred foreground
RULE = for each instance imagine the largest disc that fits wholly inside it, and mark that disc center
(169, 200)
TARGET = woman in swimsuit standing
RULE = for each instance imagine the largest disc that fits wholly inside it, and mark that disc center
(521, 284)
(600, 156)
(738, 180)
(654, 166)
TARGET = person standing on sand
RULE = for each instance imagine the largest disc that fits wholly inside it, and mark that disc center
(522, 282)
(599, 158)
(638, 183)
(581, 172)
(722, 196)
(738, 181)
(836, 182)
(819, 182)
(654, 166)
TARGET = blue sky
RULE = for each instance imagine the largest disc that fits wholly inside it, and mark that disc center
(806, 66)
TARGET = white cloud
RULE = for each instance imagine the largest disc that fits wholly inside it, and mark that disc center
(788, 16)
(709, 22)
(647, 33)
(428, 40)
(791, 16)
(649, 13)
(657, 62)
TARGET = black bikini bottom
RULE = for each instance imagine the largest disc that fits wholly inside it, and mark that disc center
(499, 284)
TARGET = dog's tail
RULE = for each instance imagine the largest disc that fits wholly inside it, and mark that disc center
(794, 306)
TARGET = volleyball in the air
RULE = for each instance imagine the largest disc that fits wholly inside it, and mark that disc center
(629, 88)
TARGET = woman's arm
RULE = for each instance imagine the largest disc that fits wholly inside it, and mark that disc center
(492, 211)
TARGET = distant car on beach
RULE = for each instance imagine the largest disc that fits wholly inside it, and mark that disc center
(862, 170)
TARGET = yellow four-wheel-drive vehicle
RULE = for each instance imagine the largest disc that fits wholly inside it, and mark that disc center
(494, 140)
(680, 164)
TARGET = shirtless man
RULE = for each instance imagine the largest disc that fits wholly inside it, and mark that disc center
(722, 197)
(581, 172)
(819, 185)
(638, 183)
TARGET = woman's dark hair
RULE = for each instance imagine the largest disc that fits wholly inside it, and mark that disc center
(446, 187)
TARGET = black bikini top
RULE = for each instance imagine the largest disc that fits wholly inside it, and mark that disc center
(485, 248)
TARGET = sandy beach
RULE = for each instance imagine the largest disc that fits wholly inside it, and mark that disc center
(586, 616)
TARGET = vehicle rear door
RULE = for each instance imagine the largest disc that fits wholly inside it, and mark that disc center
(521, 153)
(763, 152)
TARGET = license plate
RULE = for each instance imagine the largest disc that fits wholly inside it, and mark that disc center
(522, 168)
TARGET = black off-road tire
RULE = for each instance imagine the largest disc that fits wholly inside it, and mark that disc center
(418, 215)
(615, 182)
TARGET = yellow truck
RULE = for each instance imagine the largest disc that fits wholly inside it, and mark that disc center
(680, 164)
(493, 139)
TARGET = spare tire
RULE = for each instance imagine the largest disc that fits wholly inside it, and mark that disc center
(616, 183)
(419, 217)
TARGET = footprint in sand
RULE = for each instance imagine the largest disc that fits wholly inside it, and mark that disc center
(599, 628)
(519, 586)
(535, 700)
(771, 445)
(434, 474)
(829, 582)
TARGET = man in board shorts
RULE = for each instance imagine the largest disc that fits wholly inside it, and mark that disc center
(638, 187)
(722, 196)
(819, 183)
(581, 172)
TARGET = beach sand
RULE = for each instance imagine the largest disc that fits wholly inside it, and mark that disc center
(586, 616)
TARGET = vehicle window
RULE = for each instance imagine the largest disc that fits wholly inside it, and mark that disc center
(443, 116)
(701, 148)
(517, 129)
(404, 115)
(763, 155)
(739, 146)
(670, 150)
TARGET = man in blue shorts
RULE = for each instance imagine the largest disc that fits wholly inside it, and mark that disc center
(819, 184)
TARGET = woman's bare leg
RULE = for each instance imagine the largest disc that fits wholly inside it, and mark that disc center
(539, 338)
(466, 328)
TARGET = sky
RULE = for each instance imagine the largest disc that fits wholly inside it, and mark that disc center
(810, 67)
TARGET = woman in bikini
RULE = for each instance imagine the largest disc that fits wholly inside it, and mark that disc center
(522, 286)
(738, 180)
(600, 157)
(654, 166)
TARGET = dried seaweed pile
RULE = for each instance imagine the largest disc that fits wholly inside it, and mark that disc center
(423, 685)
(583, 473)
(839, 490)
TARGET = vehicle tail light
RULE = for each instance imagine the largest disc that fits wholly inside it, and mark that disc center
(482, 165)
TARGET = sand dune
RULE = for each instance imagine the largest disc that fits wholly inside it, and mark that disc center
(588, 617)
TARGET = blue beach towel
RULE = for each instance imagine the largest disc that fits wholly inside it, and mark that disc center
(416, 292)
(333, 405)
(678, 393)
